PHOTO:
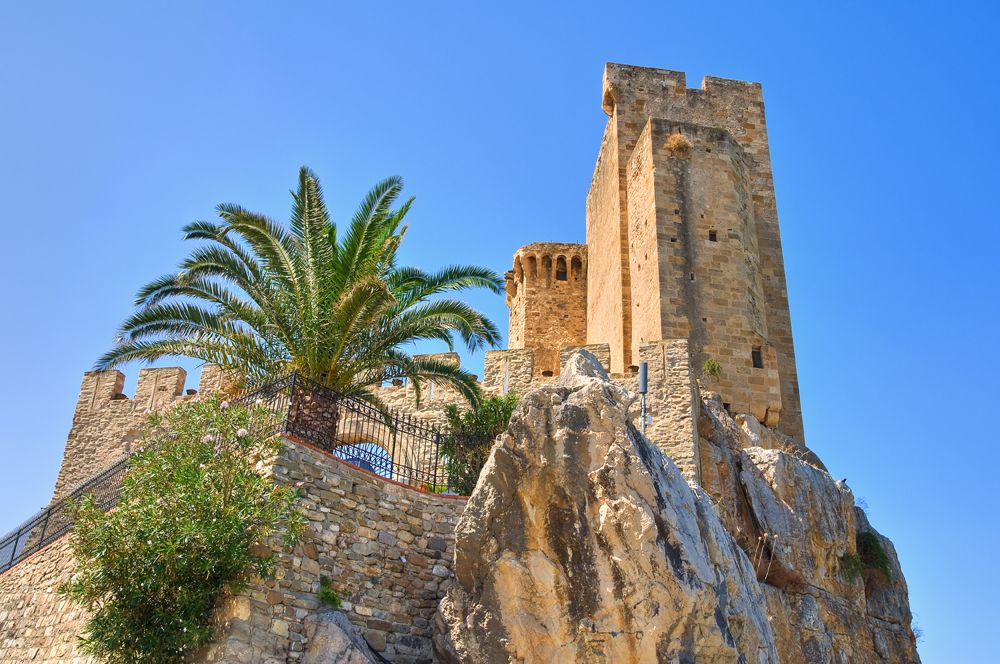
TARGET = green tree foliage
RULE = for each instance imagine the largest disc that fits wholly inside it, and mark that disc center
(193, 504)
(260, 299)
(472, 435)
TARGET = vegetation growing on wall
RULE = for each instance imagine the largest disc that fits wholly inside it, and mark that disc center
(871, 558)
(711, 370)
(194, 504)
(261, 300)
(472, 436)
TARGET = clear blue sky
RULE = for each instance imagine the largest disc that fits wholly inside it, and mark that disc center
(120, 122)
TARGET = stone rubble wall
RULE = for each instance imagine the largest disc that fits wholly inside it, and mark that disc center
(36, 625)
(389, 548)
(106, 423)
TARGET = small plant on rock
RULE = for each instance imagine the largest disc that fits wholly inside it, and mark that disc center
(327, 595)
(852, 567)
(874, 555)
(194, 504)
(711, 370)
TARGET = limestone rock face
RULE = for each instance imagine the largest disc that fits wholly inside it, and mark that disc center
(334, 640)
(583, 543)
(807, 516)
(816, 615)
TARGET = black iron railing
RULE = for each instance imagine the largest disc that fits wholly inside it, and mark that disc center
(56, 520)
(381, 440)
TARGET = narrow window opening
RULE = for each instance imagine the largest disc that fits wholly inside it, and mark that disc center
(673, 239)
(704, 320)
(560, 269)
(713, 236)
(692, 276)
(758, 359)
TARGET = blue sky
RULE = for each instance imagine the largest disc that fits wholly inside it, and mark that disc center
(120, 122)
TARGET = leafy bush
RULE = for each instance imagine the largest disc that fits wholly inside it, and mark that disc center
(873, 555)
(852, 567)
(472, 436)
(712, 369)
(194, 503)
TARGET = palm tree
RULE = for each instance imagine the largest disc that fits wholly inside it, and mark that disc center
(261, 300)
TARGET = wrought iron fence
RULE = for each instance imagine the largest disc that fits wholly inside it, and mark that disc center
(391, 444)
(381, 440)
(54, 521)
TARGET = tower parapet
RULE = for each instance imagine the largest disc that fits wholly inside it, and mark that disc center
(547, 296)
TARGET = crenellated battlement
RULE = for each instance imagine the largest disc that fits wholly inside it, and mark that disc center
(547, 296)
(106, 422)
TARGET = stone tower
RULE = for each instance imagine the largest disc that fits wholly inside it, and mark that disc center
(682, 243)
(547, 296)
(682, 235)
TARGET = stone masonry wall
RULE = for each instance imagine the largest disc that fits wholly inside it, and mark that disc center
(547, 297)
(608, 299)
(106, 423)
(389, 548)
(35, 624)
(695, 265)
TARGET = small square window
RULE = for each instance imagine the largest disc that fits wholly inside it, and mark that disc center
(713, 236)
(758, 359)
(560, 276)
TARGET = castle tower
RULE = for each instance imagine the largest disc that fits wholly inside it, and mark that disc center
(682, 236)
(547, 296)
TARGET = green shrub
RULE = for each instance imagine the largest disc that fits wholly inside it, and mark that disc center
(870, 557)
(472, 434)
(873, 555)
(327, 595)
(712, 369)
(852, 567)
(194, 504)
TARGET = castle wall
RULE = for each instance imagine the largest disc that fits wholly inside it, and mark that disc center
(633, 95)
(608, 312)
(692, 211)
(35, 624)
(547, 296)
(389, 547)
(106, 423)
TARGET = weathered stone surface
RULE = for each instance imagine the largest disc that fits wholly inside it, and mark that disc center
(815, 614)
(584, 543)
(334, 640)
(807, 518)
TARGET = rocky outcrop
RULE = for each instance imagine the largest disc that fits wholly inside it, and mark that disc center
(333, 639)
(797, 524)
(583, 543)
